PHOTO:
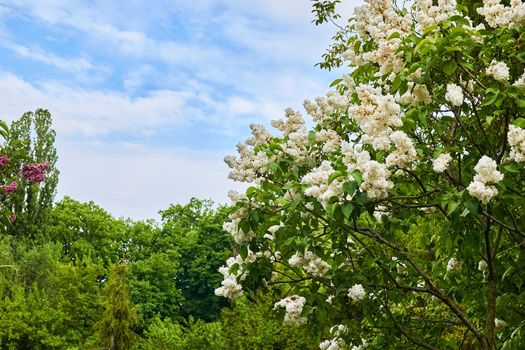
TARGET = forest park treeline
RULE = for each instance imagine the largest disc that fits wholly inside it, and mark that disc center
(72, 276)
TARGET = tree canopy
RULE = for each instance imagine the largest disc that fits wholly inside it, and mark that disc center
(397, 219)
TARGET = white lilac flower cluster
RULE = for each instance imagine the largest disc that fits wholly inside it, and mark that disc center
(232, 226)
(319, 187)
(230, 288)
(376, 115)
(404, 152)
(498, 15)
(357, 292)
(498, 70)
(310, 262)
(440, 164)
(248, 166)
(293, 306)
(324, 107)
(487, 174)
(294, 129)
(454, 264)
(483, 266)
(375, 175)
(378, 20)
(454, 95)
(330, 140)
(520, 82)
(516, 139)
(336, 343)
(415, 95)
(260, 135)
(429, 14)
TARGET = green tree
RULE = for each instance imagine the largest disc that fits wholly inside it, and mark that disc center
(196, 230)
(85, 230)
(116, 328)
(250, 325)
(32, 140)
(46, 304)
(401, 209)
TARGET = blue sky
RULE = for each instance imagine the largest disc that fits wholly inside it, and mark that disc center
(149, 96)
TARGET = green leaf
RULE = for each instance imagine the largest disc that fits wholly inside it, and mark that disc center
(350, 187)
(520, 122)
(490, 98)
(334, 176)
(357, 176)
(347, 209)
(336, 82)
(512, 168)
(451, 207)
(450, 67)
(472, 206)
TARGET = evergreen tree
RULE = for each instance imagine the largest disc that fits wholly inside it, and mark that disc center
(120, 317)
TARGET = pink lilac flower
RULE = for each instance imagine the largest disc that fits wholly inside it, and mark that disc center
(12, 218)
(10, 188)
(3, 160)
(34, 172)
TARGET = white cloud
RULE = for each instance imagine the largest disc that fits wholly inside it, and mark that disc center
(93, 112)
(75, 65)
(137, 181)
(229, 63)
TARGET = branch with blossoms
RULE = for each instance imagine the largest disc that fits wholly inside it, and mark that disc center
(27, 174)
(410, 184)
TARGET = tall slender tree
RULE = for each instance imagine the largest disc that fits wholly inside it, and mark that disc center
(32, 139)
(120, 318)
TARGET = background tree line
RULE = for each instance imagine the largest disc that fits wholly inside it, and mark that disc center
(74, 277)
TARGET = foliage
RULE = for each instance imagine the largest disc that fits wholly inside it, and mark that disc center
(31, 140)
(116, 328)
(203, 246)
(253, 325)
(45, 304)
(86, 231)
(401, 209)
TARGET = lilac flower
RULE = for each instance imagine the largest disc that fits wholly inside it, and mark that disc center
(3, 160)
(34, 172)
(10, 188)
(12, 218)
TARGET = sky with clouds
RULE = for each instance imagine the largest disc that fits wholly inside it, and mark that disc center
(149, 96)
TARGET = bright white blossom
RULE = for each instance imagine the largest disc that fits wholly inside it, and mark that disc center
(483, 266)
(498, 15)
(293, 306)
(520, 82)
(230, 288)
(330, 140)
(377, 115)
(454, 264)
(454, 95)
(318, 181)
(498, 70)
(357, 292)
(429, 14)
(415, 95)
(487, 171)
(248, 166)
(486, 176)
(440, 164)
(516, 138)
(310, 262)
(404, 152)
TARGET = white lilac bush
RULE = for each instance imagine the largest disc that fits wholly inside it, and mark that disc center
(399, 216)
